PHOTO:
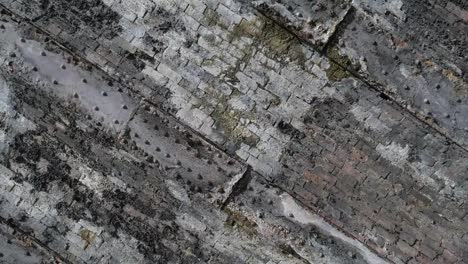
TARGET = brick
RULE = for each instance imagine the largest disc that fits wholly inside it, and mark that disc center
(407, 249)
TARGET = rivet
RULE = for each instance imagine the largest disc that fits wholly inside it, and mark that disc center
(55, 82)
(84, 80)
(147, 142)
(158, 149)
(13, 55)
(447, 116)
(63, 66)
(88, 117)
(75, 95)
(136, 135)
(168, 155)
(116, 121)
(120, 90)
(96, 108)
(426, 101)
(104, 94)
(124, 107)
(43, 53)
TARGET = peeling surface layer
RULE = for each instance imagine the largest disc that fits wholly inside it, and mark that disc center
(200, 131)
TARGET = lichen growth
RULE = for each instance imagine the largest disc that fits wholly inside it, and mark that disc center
(87, 236)
(280, 43)
(228, 121)
(240, 221)
(210, 17)
(339, 65)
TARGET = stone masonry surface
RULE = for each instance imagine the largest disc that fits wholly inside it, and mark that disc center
(200, 131)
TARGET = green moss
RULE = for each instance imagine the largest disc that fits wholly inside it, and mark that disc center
(228, 121)
(339, 65)
(210, 17)
(265, 33)
(207, 62)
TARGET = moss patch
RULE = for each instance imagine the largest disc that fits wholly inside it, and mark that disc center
(278, 41)
(339, 65)
(228, 121)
